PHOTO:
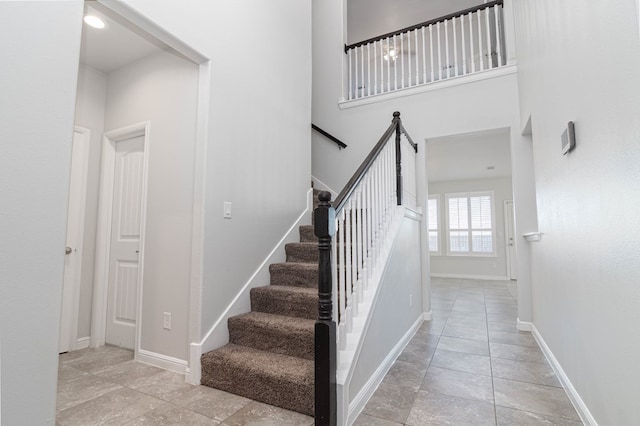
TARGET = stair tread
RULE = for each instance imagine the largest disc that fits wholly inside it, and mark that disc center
(287, 289)
(275, 321)
(268, 363)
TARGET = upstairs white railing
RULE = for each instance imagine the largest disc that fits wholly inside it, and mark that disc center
(462, 43)
(358, 222)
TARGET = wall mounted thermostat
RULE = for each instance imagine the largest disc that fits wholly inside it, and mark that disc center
(568, 138)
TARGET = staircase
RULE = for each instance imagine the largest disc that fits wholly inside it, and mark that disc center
(270, 353)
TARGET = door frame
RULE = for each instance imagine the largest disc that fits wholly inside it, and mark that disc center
(103, 235)
(509, 213)
(73, 314)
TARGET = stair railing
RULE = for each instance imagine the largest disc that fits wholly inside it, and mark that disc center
(465, 42)
(358, 219)
(329, 136)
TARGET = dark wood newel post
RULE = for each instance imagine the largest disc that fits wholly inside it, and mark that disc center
(325, 328)
(396, 119)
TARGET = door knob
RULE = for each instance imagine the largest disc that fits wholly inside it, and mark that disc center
(68, 250)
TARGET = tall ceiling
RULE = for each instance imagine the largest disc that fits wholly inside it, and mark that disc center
(469, 156)
(370, 18)
(112, 47)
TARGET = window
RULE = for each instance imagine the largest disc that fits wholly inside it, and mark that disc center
(470, 225)
(434, 216)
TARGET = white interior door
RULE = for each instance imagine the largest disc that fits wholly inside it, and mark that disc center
(512, 259)
(73, 249)
(124, 265)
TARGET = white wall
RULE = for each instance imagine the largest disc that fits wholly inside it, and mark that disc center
(466, 265)
(38, 85)
(258, 152)
(464, 108)
(162, 89)
(90, 103)
(580, 61)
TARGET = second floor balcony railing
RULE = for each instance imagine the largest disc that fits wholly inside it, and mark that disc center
(458, 44)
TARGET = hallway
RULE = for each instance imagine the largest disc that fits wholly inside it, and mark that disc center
(470, 365)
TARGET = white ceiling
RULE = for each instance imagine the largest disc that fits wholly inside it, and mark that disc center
(112, 47)
(466, 157)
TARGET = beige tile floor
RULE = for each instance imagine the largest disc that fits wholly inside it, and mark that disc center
(468, 366)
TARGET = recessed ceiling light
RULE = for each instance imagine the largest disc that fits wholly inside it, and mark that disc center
(94, 21)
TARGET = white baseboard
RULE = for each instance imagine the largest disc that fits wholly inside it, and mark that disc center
(428, 316)
(574, 397)
(361, 399)
(524, 325)
(318, 184)
(161, 361)
(472, 277)
(82, 343)
(218, 334)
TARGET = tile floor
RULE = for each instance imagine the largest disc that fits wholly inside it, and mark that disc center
(469, 365)
(105, 386)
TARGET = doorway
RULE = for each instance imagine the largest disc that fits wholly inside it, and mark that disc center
(74, 250)
(121, 229)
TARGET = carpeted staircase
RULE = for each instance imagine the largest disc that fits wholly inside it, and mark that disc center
(270, 353)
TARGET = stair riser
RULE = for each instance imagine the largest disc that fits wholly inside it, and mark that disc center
(307, 234)
(303, 253)
(292, 305)
(288, 275)
(251, 384)
(291, 342)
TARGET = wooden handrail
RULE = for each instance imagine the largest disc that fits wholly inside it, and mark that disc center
(329, 136)
(424, 24)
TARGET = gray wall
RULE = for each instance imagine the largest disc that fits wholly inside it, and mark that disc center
(580, 61)
(38, 85)
(473, 266)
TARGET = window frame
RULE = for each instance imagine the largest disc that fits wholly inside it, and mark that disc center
(438, 229)
(470, 230)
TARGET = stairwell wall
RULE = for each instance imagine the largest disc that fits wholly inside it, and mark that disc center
(258, 146)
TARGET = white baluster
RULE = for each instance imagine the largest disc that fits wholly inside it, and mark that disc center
(395, 63)
(463, 42)
(439, 52)
(471, 44)
(389, 59)
(424, 58)
(409, 58)
(362, 81)
(347, 250)
(375, 69)
(350, 59)
(446, 47)
(359, 222)
(455, 47)
(334, 275)
(402, 57)
(369, 69)
(497, 11)
(355, 60)
(480, 41)
(415, 34)
(431, 52)
(489, 55)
